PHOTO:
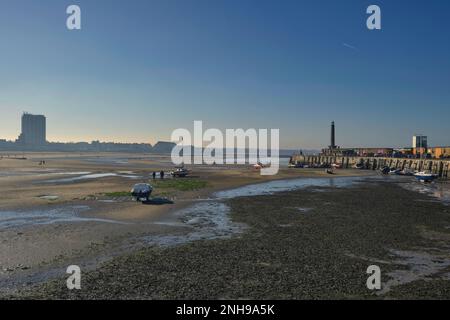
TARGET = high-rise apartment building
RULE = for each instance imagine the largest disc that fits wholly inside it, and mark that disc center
(33, 130)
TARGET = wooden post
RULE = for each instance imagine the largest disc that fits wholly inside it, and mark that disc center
(441, 169)
(445, 169)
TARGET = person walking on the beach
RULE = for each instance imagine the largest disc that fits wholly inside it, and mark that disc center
(161, 174)
(154, 175)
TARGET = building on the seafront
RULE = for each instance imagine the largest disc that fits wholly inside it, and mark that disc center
(429, 153)
(338, 152)
(33, 130)
(419, 149)
(361, 152)
(420, 152)
(420, 146)
(33, 138)
(439, 152)
(419, 141)
(374, 152)
(403, 153)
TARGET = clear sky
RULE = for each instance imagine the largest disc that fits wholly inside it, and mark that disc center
(139, 69)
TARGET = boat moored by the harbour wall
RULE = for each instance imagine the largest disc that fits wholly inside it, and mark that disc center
(435, 166)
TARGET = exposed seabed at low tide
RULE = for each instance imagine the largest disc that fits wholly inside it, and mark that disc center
(209, 218)
(62, 214)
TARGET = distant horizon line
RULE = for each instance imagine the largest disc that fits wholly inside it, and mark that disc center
(168, 141)
(136, 143)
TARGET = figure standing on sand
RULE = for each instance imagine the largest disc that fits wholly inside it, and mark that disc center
(154, 175)
(161, 174)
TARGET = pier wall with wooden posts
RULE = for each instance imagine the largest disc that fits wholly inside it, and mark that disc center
(436, 166)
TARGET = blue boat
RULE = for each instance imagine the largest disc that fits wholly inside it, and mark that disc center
(425, 177)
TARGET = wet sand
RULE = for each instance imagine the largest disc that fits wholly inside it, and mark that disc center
(315, 242)
(56, 214)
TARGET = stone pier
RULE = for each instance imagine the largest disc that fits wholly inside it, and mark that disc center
(436, 166)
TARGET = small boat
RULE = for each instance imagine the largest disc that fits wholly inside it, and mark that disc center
(385, 170)
(141, 191)
(260, 165)
(180, 173)
(425, 177)
(295, 165)
(395, 171)
(406, 172)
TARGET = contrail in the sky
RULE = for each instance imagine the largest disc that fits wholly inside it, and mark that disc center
(350, 46)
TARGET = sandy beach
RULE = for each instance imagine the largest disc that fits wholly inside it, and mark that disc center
(71, 210)
(313, 243)
(302, 234)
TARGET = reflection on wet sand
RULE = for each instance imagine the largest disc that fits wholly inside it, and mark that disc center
(438, 189)
(65, 214)
(92, 177)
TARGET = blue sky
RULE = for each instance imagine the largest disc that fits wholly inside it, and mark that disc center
(139, 69)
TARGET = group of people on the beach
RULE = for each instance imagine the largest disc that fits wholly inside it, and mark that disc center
(161, 175)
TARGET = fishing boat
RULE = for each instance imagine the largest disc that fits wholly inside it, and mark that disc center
(385, 170)
(180, 173)
(336, 166)
(295, 165)
(260, 165)
(141, 191)
(394, 171)
(406, 172)
(425, 177)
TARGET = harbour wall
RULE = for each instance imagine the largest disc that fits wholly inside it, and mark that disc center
(439, 167)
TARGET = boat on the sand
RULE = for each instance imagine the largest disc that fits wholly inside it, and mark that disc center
(425, 177)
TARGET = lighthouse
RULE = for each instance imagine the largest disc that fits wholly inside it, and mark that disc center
(333, 137)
